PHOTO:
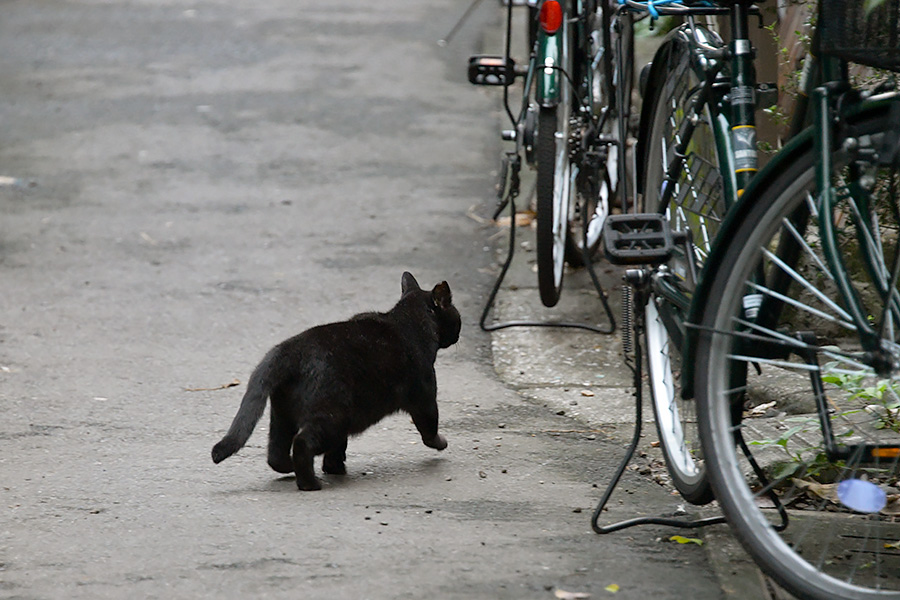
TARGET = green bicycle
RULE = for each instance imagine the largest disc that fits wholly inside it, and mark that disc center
(798, 343)
(696, 153)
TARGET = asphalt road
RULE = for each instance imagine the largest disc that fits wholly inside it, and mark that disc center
(187, 183)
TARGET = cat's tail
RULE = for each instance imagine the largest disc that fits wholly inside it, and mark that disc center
(251, 411)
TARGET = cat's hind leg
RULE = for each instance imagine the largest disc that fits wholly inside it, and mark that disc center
(314, 438)
(303, 454)
(333, 463)
(282, 430)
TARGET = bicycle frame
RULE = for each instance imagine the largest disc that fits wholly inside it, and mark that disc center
(825, 103)
(731, 105)
(730, 114)
(830, 103)
(556, 129)
(551, 65)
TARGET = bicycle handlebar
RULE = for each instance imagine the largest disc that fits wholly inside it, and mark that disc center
(658, 8)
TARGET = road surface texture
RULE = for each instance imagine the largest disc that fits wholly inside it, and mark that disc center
(187, 183)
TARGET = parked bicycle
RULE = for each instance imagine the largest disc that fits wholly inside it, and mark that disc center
(798, 356)
(565, 126)
(696, 153)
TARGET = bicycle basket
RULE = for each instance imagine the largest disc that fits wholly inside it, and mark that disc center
(861, 31)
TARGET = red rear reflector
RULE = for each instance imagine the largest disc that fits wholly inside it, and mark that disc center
(551, 16)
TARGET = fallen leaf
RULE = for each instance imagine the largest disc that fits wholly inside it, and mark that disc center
(564, 595)
(224, 386)
(474, 216)
(892, 508)
(680, 539)
(762, 409)
(893, 546)
(523, 219)
(612, 588)
(825, 491)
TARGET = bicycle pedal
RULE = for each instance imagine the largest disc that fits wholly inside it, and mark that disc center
(491, 70)
(638, 239)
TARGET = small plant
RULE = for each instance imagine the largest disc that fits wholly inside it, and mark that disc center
(881, 399)
(803, 459)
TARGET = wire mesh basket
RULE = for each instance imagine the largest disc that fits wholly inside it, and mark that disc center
(861, 31)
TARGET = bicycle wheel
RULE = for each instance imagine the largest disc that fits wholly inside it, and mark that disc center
(597, 185)
(695, 204)
(554, 187)
(780, 362)
(595, 190)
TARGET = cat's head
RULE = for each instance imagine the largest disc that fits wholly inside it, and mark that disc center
(440, 302)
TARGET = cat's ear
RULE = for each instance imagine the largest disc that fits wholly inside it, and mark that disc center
(441, 295)
(409, 284)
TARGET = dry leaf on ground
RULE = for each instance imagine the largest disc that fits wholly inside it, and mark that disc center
(224, 386)
(523, 219)
(826, 491)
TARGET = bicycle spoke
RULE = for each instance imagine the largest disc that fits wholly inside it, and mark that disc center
(807, 249)
(804, 307)
(806, 284)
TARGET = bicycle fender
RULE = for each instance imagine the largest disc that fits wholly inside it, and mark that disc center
(547, 65)
(795, 148)
(655, 77)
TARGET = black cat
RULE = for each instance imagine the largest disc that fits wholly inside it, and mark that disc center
(337, 380)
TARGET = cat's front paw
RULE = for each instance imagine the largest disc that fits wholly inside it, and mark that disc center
(438, 443)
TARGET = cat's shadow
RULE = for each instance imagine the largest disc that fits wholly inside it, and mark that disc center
(362, 476)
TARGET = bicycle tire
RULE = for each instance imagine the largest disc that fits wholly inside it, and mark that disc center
(598, 188)
(774, 255)
(696, 205)
(554, 188)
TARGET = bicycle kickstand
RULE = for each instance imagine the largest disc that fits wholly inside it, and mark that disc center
(509, 184)
(634, 298)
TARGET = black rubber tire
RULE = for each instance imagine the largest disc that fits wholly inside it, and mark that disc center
(588, 200)
(550, 254)
(675, 417)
